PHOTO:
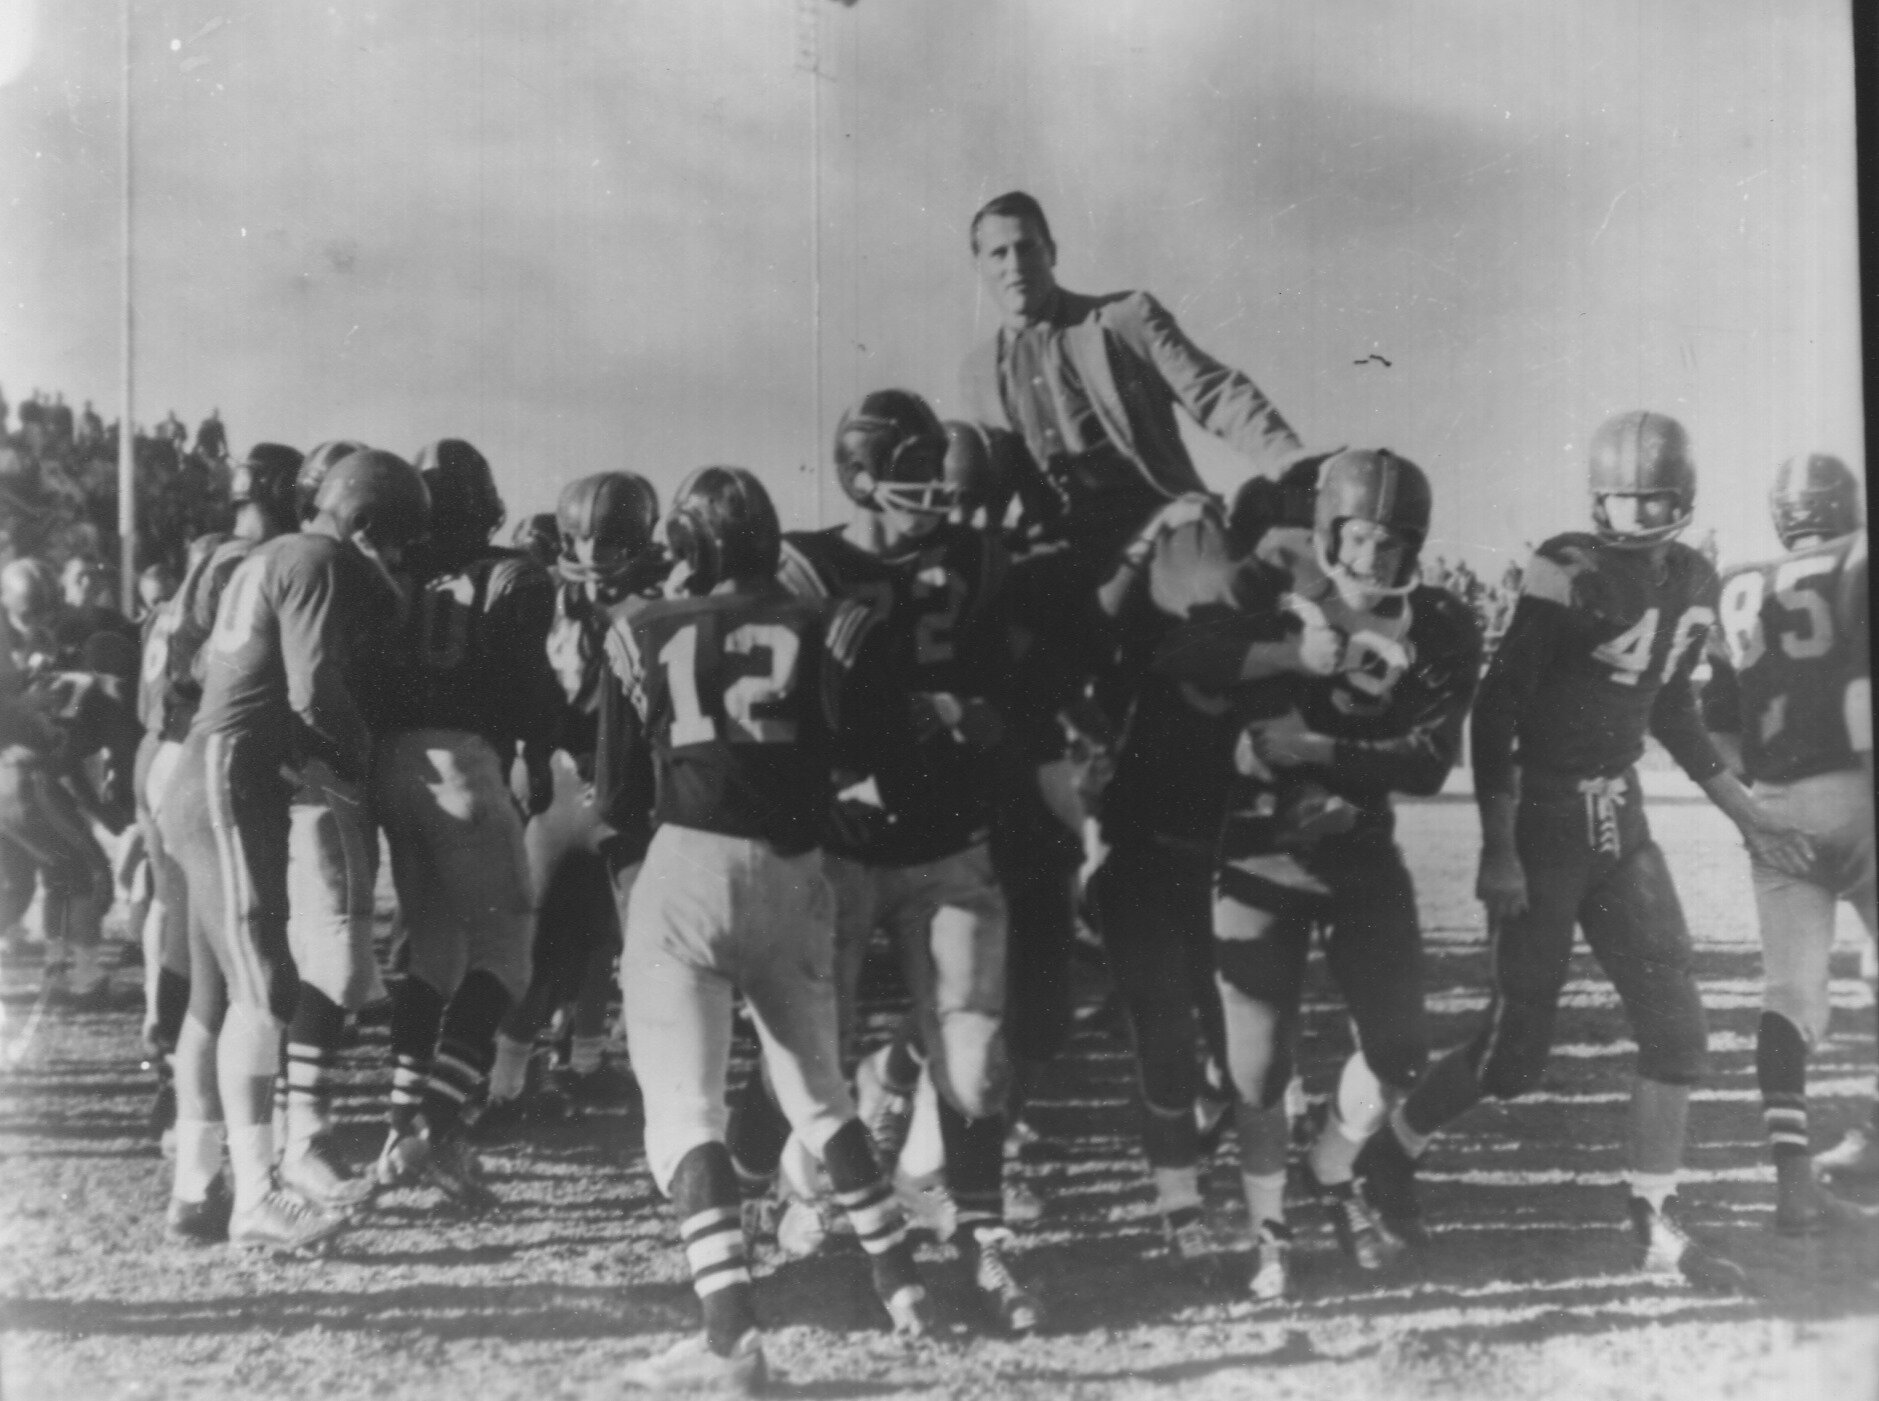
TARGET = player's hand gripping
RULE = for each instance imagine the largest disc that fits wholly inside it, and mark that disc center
(1288, 742)
(1775, 844)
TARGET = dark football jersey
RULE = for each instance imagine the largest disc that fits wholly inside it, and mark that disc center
(935, 629)
(739, 695)
(1175, 763)
(278, 669)
(1797, 651)
(1599, 652)
(1395, 710)
(169, 689)
(473, 654)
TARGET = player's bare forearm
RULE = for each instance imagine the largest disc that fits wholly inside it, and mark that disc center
(1501, 883)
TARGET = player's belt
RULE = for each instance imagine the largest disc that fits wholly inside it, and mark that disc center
(1602, 799)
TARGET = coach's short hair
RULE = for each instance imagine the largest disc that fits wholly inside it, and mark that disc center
(1014, 204)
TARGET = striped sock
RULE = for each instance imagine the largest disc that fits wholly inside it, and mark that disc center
(711, 1227)
(409, 1076)
(453, 1078)
(865, 1194)
(466, 1048)
(417, 1011)
(309, 1093)
(1781, 1075)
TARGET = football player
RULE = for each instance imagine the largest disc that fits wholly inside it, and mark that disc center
(1371, 676)
(1790, 702)
(911, 858)
(44, 837)
(467, 686)
(737, 684)
(280, 711)
(262, 493)
(1598, 654)
(586, 846)
(1151, 898)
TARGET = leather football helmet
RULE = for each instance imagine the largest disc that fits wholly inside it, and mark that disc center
(1376, 485)
(267, 479)
(891, 455)
(1641, 454)
(315, 466)
(465, 504)
(722, 525)
(982, 468)
(1814, 493)
(605, 524)
(377, 494)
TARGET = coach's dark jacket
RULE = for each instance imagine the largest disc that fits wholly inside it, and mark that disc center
(1135, 364)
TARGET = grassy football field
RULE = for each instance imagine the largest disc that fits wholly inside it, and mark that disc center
(1523, 1292)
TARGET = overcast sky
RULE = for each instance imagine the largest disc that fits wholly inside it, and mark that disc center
(579, 232)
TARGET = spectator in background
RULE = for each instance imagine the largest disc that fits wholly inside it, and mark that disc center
(86, 586)
(212, 437)
(155, 585)
(90, 426)
(59, 419)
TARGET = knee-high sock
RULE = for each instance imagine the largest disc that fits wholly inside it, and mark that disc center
(1450, 1089)
(312, 1055)
(711, 1226)
(1781, 1075)
(466, 1046)
(975, 1166)
(863, 1192)
(417, 1014)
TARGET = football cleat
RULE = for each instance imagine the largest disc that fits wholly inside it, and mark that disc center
(312, 1172)
(885, 1112)
(1358, 1234)
(1665, 1250)
(453, 1169)
(910, 1311)
(401, 1161)
(1023, 1207)
(1814, 1211)
(1387, 1175)
(1008, 1300)
(1272, 1270)
(1189, 1240)
(606, 1088)
(204, 1222)
(503, 1119)
(1854, 1158)
(283, 1223)
(691, 1365)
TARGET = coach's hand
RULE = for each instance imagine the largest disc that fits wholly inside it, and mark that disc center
(1501, 885)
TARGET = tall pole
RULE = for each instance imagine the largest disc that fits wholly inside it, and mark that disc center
(815, 256)
(126, 430)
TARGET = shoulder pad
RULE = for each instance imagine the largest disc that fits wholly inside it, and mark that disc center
(1550, 574)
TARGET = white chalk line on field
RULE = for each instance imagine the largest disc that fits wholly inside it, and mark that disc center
(17, 1049)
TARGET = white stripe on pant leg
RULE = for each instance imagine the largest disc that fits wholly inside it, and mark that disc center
(228, 856)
